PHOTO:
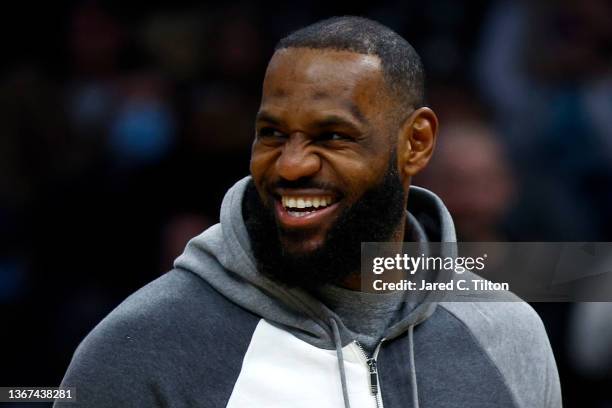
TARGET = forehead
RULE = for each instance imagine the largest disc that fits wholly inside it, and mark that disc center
(323, 76)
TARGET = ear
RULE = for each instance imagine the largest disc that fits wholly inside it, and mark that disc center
(416, 142)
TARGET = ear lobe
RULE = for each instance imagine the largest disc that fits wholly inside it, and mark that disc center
(417, 141)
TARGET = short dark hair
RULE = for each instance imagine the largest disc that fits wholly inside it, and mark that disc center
(402, 66)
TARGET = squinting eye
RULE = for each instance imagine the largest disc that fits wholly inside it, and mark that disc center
(270, 132)
(333, 136)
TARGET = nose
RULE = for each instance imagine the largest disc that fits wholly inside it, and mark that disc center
(297, 160)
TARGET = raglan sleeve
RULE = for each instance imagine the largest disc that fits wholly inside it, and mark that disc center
(110, 369)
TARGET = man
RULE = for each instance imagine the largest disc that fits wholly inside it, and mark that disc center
(264, 308)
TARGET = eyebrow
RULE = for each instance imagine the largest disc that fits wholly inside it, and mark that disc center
(330, 121)
(354, 109)
(327, 121)
(263, 116)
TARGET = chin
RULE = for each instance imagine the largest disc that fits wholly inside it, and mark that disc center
(301, 247)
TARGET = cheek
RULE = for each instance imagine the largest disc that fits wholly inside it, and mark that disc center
(359, 175)
(262, 162)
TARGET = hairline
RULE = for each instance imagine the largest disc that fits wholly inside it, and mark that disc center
(400, 111)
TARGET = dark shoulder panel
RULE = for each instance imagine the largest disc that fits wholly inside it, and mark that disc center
(452, 370)
(175, 342)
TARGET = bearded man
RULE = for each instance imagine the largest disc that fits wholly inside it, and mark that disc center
(264, 309)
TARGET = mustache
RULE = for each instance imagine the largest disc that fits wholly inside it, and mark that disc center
(303, 183)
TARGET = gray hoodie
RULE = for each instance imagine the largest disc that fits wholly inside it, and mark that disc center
(214, 332)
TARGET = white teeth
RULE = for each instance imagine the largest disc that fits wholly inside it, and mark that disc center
(298, 213)
(305, 202)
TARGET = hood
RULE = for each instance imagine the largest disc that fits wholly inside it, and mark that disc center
(222, 256)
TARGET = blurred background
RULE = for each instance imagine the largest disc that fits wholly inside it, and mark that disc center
(122, 124)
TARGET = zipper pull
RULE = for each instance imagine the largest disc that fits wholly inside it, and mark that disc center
(373, 375)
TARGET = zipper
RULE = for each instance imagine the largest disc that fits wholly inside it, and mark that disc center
(373, 370)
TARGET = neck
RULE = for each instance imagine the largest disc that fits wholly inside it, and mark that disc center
(355, 280)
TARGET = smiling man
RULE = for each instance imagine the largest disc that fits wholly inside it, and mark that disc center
(325, 160)
(264, 309)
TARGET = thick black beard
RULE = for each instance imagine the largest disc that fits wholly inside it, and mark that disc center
(374, 218)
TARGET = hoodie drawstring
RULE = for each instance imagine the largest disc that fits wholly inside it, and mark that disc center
(413, 375)
(413, 378)
(338, 344)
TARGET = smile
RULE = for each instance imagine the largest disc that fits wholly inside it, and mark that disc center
(304, 210)
(300, 206)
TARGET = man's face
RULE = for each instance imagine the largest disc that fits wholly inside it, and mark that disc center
(323, 140)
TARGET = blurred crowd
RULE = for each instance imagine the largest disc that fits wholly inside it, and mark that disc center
(124, 124)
